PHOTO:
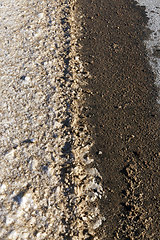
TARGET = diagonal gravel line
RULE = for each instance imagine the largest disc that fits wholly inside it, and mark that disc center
(49, 189)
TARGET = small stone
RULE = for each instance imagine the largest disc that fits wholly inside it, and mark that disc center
(41, 15)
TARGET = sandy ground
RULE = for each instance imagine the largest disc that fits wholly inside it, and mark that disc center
(79, 120)
(122, 113)
(48, 188)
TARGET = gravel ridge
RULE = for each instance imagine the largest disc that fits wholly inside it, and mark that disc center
(49, 187)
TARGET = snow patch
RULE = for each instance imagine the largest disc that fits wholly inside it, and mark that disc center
(153, 43)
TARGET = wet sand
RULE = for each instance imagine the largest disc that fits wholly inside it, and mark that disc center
(121, 111)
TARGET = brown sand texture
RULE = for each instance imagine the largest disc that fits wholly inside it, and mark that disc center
(79, 117)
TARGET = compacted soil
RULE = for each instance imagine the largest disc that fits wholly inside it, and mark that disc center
(122, 113)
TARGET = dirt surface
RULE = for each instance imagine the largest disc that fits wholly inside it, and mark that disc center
(48, 188)
(122, 113)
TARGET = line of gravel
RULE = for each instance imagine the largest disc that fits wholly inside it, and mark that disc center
(48, 185)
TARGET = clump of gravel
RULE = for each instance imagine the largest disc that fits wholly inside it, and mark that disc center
(48, 189)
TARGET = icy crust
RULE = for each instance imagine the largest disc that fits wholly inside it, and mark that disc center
(48, 189)
(153, 43)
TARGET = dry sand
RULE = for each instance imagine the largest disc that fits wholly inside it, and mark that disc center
(49, 189)
(79, 122)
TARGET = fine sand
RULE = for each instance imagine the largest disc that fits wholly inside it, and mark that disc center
(79, 122)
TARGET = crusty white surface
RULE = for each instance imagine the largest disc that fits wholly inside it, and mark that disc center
(153, 43)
